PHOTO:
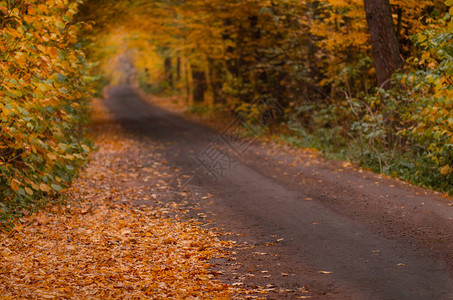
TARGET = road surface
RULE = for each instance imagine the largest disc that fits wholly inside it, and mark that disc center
(313, 227)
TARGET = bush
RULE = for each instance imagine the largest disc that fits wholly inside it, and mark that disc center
(44, 101)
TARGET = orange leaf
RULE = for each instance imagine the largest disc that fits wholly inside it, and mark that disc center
(51, 156)
(14, 184)
(53, 52)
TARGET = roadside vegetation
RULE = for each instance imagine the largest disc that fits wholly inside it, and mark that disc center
(44, 92)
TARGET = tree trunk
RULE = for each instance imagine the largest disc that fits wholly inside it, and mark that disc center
(199, 83)
(169, 71)
(383, 40)
(178, 69)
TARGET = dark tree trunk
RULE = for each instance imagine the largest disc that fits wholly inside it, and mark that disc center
(199, 85)
(255, 30)
(168, 71)
(383, 40)
(178, 69)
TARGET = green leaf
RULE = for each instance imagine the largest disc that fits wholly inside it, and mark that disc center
(61, 77)
(450, 121)
(60, 24)
(56, 187)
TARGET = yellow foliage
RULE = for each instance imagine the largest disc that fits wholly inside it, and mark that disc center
(40, 70)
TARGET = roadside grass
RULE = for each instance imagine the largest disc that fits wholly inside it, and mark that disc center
(409, 166)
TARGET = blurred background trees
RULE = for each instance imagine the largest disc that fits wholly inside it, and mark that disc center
(369, 80)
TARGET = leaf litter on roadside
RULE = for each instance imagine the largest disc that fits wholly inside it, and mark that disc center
(104, 244)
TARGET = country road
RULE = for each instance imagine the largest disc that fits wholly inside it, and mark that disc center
(310, 224)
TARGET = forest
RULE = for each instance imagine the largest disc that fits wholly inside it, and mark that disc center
(374, 91)
(366, 81)
(240, 149)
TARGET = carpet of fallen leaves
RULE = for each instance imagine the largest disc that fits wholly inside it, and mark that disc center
(114, 237)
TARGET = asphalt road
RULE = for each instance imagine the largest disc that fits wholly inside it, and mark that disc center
(316, 228)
